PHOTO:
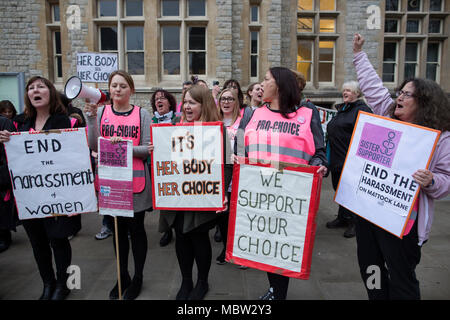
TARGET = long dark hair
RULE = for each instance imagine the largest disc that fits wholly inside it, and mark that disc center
(240, 94)
(288, 90)
(55, 104)
(433, 108)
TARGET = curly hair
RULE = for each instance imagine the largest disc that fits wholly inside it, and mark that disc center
(433, 108)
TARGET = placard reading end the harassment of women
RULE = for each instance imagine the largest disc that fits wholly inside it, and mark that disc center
(187, 166)
(115, 178)
(51, 173)
(272, 218)
(376, 181)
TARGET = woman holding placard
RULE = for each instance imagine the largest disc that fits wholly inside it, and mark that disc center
(305, 146)
(421, 102)
(132, 123)
(45, 111)
(192, 227)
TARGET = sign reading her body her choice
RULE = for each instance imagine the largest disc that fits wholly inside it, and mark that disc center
(187, 166)
(51, 173)
(96, 67)
(115, 178)
(376, 181)
(272, 218)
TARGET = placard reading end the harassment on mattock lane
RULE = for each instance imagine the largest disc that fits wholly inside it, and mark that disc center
(272, 218)
(51, 173)
(187, 166)
(376, 182)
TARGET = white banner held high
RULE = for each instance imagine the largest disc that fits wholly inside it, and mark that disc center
(51, 173)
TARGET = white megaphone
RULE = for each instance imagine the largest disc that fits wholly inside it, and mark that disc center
(74, 88)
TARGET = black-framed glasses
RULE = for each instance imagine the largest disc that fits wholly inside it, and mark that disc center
(405, 94)
(232, 87)
(227, 99)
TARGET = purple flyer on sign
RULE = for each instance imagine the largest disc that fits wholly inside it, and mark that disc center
(113, 155)
(378, 144)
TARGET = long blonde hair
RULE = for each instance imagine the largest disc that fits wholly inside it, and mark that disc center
(203, 96)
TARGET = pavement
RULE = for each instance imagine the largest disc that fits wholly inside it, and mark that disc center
(334, 270)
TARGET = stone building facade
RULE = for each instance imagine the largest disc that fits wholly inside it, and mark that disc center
(164, 42)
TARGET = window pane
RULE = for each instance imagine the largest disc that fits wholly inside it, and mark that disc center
(434, 26)
(197, 8)
(435, 5)
(56, 17)
(59, 66)
(390, 53)
(391, 25)
(135, 62)
(325, 72)
(108, 38)
(57, 42)
(107, 8)
(171, 63)
(171, 38)
(388, 72)
(413, 5)
(305, 25)
(391, 5)
(197, 63)
(412, 26)
(254, 66)
(431, 71)
(196, 38)
(433, 52)
(254, 14)
(304, 51)
(411, 52)
(134, 8)
(305, 5)
(135, 38)
(254, 42)
(305, 69)
(171, 8)
(327, 25)
(327, 5)
(410, 70)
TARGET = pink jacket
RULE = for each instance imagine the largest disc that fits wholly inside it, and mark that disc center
(379, 100)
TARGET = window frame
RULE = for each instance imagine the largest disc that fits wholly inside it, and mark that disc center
(395, 63)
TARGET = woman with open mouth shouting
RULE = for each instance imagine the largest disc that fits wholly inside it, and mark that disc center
(421, 102)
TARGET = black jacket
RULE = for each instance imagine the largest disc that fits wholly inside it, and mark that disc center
(340, 130)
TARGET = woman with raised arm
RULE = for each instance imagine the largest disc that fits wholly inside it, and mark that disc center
(131, 123)
(421, 102)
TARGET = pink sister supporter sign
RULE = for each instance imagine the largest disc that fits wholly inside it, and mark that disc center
(376, 182)
(115, 173)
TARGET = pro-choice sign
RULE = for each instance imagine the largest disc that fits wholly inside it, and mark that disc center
(51, 173)
(376, 181)
(187, 166)
(272, 218)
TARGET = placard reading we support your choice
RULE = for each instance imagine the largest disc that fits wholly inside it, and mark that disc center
(187, 166)
(376, 181)
(272, 218)
(51, 173)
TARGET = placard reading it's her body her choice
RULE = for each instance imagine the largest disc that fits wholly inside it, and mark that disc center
(187, 166)
(115, 173)
(376, 181)
(51, 173)
(272, 218)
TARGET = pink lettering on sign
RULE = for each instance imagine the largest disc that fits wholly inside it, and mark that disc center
(113, 155)
(378, 144)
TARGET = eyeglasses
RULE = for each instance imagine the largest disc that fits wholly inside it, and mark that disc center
(227, 99)
(160, 98)
(405, 94)
(232, 87)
